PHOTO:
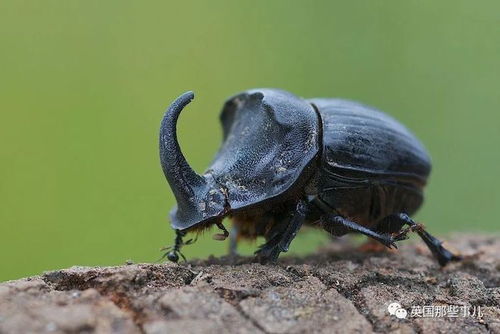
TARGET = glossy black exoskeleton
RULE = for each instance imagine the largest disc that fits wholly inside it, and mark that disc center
(287, 161)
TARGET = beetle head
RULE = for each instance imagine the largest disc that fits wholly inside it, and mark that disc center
(199, 199)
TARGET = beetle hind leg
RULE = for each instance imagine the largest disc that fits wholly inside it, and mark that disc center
(337, 225)
(442, 255)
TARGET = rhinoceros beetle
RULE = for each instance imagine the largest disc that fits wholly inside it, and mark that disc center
(287, 161)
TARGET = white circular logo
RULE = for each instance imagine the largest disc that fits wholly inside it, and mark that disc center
(401, 313)
(393, 307)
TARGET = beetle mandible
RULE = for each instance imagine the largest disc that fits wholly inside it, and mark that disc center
(287, 161)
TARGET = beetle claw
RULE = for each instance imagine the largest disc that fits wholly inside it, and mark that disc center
(403, 235)
(389, 242)
(267, 254)
(392, 245)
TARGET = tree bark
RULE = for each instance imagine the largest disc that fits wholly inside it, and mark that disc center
(338, 290)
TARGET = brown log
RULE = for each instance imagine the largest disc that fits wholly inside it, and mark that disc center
(337, 290)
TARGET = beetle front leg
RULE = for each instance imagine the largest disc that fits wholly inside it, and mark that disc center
(174, 251)
(281, 235)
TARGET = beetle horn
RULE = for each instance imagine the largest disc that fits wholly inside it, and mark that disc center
(181, 177)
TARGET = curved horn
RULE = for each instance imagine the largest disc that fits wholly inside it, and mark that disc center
(180, 176)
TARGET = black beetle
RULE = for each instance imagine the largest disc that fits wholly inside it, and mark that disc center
(287, 161)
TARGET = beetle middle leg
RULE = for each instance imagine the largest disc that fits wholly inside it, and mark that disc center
(281, 235)
(233, 241)
(392, 222)
(338, 226)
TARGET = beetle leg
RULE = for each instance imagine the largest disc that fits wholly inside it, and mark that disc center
(175, 250)
(435, 246)
(221, 236)
(393, 224)
(331, 222)
(282, 235)
(191, 241)
(233, 241)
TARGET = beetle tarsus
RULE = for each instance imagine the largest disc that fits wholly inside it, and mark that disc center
(268, 252)
(442, 255)
(282, 235)
(403, 235)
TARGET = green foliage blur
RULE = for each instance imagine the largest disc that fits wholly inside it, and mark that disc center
(84, 84)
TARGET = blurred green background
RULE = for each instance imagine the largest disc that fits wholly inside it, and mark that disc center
(83, 86)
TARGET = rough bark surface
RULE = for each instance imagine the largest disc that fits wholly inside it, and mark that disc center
(338, 290)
